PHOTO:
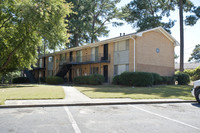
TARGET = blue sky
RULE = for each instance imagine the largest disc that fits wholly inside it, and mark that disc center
(191, 33)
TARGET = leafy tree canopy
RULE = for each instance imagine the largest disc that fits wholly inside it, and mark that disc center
(23, 26)
(89, 21)
(195, 56)
(147, 14)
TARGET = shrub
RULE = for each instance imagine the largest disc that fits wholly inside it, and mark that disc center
(157, 79)
(20, 80)
(182, 78)
(169, 80)
(189, 72)
(195, 74)
(81, 80)
(136, 79)
(115, 80)
(96, 79)
(92, 79)
(42, 79)
(54, 80)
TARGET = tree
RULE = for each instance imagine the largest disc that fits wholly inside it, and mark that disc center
(89, 21)
(147, 14)
(102, 11)
(195, 56)
(23, 26)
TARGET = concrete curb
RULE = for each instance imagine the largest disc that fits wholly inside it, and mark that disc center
(93, 104)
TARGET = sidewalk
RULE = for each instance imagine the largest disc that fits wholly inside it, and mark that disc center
(75, 98)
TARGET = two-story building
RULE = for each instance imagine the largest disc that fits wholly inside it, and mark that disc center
(147, 51)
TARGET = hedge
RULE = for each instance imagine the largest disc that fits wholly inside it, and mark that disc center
(115, 80)
(20, 80)
(142, 79)
(157, 79)
(136, 79)
(182, 78)
(94, 79)
(54, 80)
(169, 80)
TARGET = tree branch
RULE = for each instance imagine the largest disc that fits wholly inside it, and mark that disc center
(10, 56)
(101, 25)
(5, 22)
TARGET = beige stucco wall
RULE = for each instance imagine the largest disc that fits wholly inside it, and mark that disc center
(148, 60)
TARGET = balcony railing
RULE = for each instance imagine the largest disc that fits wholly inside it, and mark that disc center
(86, 59)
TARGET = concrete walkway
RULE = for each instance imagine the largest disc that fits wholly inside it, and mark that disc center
(72, 94)
(75, 97)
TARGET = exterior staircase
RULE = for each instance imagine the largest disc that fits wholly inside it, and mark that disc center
(63, 70)
(30, 76)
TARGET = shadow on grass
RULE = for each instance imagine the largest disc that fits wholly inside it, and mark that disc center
(163, 91)
(15, 86)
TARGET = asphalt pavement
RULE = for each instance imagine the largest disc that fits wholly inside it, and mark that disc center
(131, 118)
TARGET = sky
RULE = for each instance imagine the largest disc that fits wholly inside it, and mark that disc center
(191, 33)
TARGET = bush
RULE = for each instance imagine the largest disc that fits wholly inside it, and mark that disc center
(42, 79)
(54, 80)
(195, 74)
(169, 80)
(20, 80)
(136, 79)
(157, 79)
(92, 79)
(115, 80)
(189, 72)
(96, 79)
(81, 80)
(182, 78)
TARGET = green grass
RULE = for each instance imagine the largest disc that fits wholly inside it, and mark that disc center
(156, 92)
(22, 92)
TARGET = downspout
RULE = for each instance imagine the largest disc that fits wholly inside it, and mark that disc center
(134, 52)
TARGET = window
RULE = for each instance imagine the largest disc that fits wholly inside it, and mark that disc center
(40, 63)
(79, 56)
(40, 74)
(50, 59)
(78, 72)
(118, 69)
(94, 70)
(94, 54)
(121, 46)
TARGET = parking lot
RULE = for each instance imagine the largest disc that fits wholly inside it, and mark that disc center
(133, 118)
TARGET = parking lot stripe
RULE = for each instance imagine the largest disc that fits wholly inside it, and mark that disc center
(71, 118)
(165, 117)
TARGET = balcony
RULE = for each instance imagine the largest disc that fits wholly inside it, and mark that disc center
(88, 59)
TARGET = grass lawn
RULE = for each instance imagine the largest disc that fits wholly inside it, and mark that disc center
(156, 92)
(19, 92)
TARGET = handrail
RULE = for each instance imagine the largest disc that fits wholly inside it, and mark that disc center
(91, 58)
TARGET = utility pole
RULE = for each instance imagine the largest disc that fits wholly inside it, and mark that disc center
(181, 36)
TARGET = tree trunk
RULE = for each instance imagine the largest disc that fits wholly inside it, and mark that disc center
(93, 24)
(76, 40)
(181, 36)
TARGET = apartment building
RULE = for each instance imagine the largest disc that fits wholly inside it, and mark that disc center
(147, 51)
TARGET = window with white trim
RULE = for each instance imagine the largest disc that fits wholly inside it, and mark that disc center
(118, 69)
(121, 45)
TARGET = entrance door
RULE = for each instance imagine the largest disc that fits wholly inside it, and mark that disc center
(105, 73)
(105, 51)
